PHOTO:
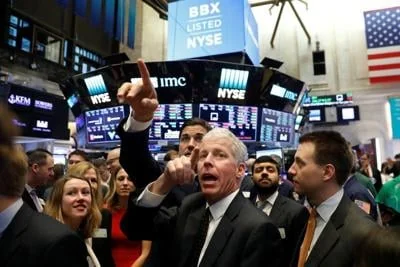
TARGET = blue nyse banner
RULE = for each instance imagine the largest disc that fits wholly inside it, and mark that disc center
(199, 28)
(131, 23)
(251, 35)
(96, 12)
(119, 34)
(109, 17)
(80, 7)
(395, 116)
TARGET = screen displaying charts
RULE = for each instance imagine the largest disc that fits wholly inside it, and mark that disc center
(241, 120)
(167, 121)
(276, 126)
(101, 124)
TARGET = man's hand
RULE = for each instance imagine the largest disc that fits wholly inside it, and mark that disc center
(178, 171)
(142, 96)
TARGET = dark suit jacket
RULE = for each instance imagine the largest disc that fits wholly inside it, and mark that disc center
(28, 200)
(102, 245)
(244, 237)
(291, 217)
(341, 235)
(378, 178)
(356, 191)
(33, 239)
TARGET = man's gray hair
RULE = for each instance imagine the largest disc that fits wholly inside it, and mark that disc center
(239, 149)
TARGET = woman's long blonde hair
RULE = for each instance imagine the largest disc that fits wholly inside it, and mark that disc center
(54, 204)
(80, 169)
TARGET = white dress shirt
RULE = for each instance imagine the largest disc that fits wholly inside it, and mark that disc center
(7, 215)
(131, 125)
(217, 210)
(268, 203)
(324, 213)
(36, 200)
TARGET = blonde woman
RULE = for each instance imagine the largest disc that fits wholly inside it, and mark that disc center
(71, 202)
(102, 237)
(126, 253)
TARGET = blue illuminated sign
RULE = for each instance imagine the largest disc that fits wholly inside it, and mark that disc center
(233, 84)
(97, 89)
(199, 28)
(395, 116)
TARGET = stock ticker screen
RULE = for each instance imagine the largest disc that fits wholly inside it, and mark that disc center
(276, 126)
(241, 120)
(167, 121)
(101, 124)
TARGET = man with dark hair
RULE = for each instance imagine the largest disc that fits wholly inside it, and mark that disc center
(77, 156)
(40, 170)
(322, 164)
(367, 169)
(289, 216)
(28, 238)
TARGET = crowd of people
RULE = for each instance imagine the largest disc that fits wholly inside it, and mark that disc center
(203, 207)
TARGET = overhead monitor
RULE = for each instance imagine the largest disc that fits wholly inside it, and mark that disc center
(316, 114)
(101, 124)
(270, 152)
(168, 120)
(241, 120)
(276, 126)
(348, 113)
(299, 120)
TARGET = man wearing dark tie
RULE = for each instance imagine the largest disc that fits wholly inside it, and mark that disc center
(289, 216)
(40, 170)
(322, 164)
(217, 227)
(28, 238)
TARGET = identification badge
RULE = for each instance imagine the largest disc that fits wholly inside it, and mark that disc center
(100, 233)
(365, 206)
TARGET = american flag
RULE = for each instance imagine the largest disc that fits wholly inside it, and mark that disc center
(382, 28)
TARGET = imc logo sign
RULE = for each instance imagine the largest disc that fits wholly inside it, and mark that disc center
(199, 28)
(164, 81)
(97, 90)
(232, 84)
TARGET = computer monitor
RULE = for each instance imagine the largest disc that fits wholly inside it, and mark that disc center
(348, 113)
(241, 120)
(276, 126)
(168, 120)
(316, 114)
(101, 124)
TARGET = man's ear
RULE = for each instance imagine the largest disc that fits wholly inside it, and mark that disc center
(241, 170)
(35, 168)
(329, 172)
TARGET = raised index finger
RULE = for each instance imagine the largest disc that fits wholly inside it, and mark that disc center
(144, 73)
(194, 158)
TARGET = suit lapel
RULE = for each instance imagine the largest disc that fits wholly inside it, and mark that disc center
(28, 200)
(223, 232)
(189, 233)
(277, 209)
(10, 239)
(330, 235)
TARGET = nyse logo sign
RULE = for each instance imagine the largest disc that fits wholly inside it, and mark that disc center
(233, 84)
(19, 100)
(164, 81)
(97, 90)
(204, 26)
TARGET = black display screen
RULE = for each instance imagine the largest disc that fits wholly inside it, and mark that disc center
(276, 126)
(241, 120)
(168, 120)
(101, 124)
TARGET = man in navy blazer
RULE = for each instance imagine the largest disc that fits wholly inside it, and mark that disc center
(322, 164)
(289, 216)
(29, 238)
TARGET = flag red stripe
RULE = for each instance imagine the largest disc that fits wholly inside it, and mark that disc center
(384, 55)
(384, 67)
(386, 79)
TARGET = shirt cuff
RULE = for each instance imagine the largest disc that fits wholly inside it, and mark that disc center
(132, 126)
(148, 199)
